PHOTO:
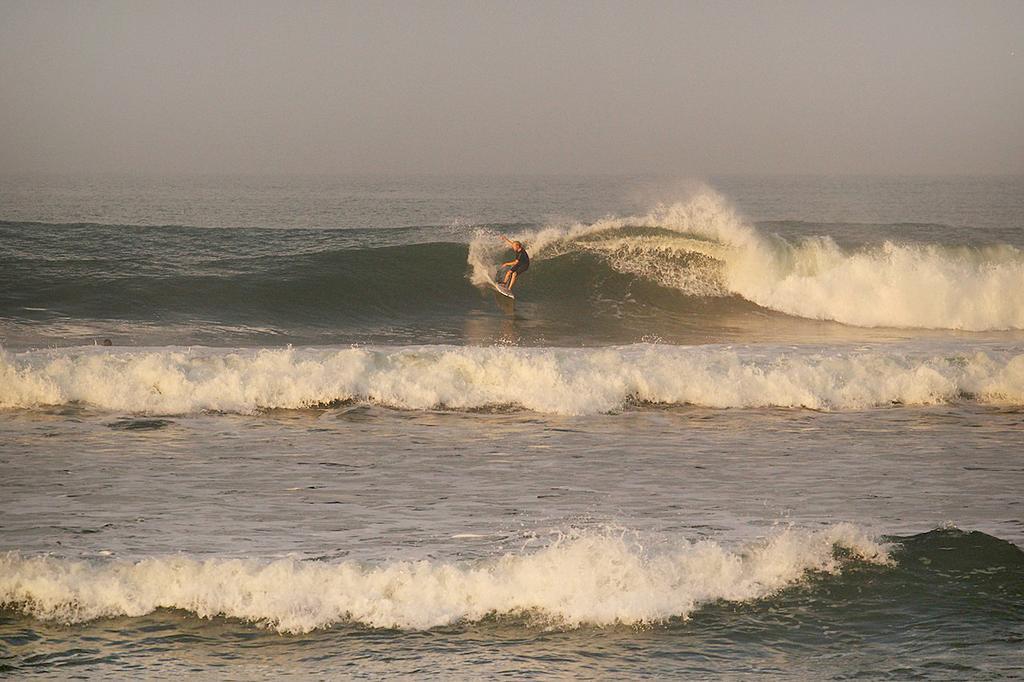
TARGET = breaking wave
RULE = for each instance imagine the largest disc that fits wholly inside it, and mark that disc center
(585, 579)
(702, 247)
(548, 380)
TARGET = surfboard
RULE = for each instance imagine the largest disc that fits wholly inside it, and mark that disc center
(503, 290)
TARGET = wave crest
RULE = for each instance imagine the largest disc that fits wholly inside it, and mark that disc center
(551, 380)
(585, 579)
(889, 285)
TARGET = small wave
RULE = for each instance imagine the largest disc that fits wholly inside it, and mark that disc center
(585, 579)
(549, 380)
(709, 250)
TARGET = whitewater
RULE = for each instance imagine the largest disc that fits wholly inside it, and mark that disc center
(547, 380)
(589, 579)
(892, 284)
(283, 427)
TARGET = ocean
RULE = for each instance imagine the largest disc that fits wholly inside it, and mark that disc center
(257, 427)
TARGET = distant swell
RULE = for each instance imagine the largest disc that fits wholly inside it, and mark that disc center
(588, 579)
(550, 380)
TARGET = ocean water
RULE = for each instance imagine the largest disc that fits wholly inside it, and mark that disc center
(739, 426)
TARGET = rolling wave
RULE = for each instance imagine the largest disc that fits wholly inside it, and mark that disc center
(703, 248)
(548, 380)
(696, 258)
(586, 579)
(336, 283)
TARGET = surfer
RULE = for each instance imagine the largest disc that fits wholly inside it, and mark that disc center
(517, 266)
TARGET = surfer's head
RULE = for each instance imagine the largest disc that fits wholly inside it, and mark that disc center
(518, 246)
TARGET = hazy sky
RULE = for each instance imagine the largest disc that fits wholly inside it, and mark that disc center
(683, 88)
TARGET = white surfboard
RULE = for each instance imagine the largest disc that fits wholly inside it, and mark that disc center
(503, 290)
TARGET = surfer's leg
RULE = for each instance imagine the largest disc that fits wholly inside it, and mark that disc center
(512, 280)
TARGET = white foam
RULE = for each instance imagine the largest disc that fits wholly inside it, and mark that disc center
(894, 284)
(587, 579)
(551, 380)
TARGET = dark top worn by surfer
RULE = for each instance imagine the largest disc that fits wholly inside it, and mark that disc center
(520, 264)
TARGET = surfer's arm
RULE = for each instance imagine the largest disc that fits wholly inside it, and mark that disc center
(510, 242)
